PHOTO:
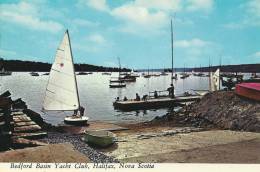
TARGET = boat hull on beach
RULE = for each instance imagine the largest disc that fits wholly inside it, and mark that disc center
(76, 121)
(153, 103)
(99, 138)
(249, 90)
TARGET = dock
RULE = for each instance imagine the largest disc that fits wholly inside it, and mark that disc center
(154, 103)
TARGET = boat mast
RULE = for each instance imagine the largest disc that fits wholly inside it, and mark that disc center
(73, 67)
(172, 51)
(119, 66)
(210, 75)
(220, 64)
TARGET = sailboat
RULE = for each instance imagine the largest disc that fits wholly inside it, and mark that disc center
(214, 80)
(147, 75)
(3, 72)
(62, 90)
(117, 82)
(214, 83)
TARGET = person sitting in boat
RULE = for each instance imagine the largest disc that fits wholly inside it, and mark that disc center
(137, 97)
(125, 98)
(81, 111)
(171, 91)
(155, 94)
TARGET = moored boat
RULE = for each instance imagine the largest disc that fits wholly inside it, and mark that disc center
(248, 90)
(34, 74)
(117, 85)
(4, 72)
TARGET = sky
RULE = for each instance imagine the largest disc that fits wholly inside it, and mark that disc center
(136, 31)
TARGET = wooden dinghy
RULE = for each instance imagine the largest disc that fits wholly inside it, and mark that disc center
(249, 90)
(99, 138)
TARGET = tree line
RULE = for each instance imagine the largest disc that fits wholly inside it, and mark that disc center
(27, 66)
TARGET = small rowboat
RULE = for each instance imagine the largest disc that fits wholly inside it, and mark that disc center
(249, 90)
(99, 138)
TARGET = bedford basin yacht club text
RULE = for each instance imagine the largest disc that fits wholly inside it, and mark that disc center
(89, 166)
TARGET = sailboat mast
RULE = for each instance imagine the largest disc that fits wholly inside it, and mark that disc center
(210, 75)
(73, 67)
(119, 66)
(172, 51)
(220, 64)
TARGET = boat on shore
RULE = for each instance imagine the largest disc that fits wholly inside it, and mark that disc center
(62, 91)
(99, 138)
(248, 90)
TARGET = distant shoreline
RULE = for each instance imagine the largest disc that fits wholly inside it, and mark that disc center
(244, 68)
(28, 66)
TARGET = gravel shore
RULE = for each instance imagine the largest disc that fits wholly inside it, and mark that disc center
(75, 140)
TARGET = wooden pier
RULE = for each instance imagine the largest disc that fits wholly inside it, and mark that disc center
(16, 123)
(154, 103)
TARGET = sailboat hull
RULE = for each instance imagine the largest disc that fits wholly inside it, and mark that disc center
(76, 121)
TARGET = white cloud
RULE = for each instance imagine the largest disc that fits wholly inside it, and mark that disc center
(146, 16)
(255, 55)
(27, 15)
(251, 16)
(174, 5)
(99, 5)
(253, 7)
(96, 38)
(198, 43)
(93, 43)
(198, 5)
(138, 18)
(83, 22)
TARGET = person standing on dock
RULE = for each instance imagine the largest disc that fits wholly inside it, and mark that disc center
(171, 91)
(137, 97)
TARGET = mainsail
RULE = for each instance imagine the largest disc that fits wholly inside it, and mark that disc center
(61, 92)
(214, 80)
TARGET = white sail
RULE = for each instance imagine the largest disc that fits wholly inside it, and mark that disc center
(214, 80)
(61, 91)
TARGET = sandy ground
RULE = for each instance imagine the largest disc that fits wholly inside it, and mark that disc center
(46, 154)
(212, 146)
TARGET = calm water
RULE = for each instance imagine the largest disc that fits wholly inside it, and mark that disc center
(95, 94)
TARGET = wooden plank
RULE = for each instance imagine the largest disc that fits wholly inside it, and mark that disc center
(2, 123)
(27, 128)
(23, 118)
(17, 113)
(30, 135)
(19, 124)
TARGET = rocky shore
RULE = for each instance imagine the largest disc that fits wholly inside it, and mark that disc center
(221, 109)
